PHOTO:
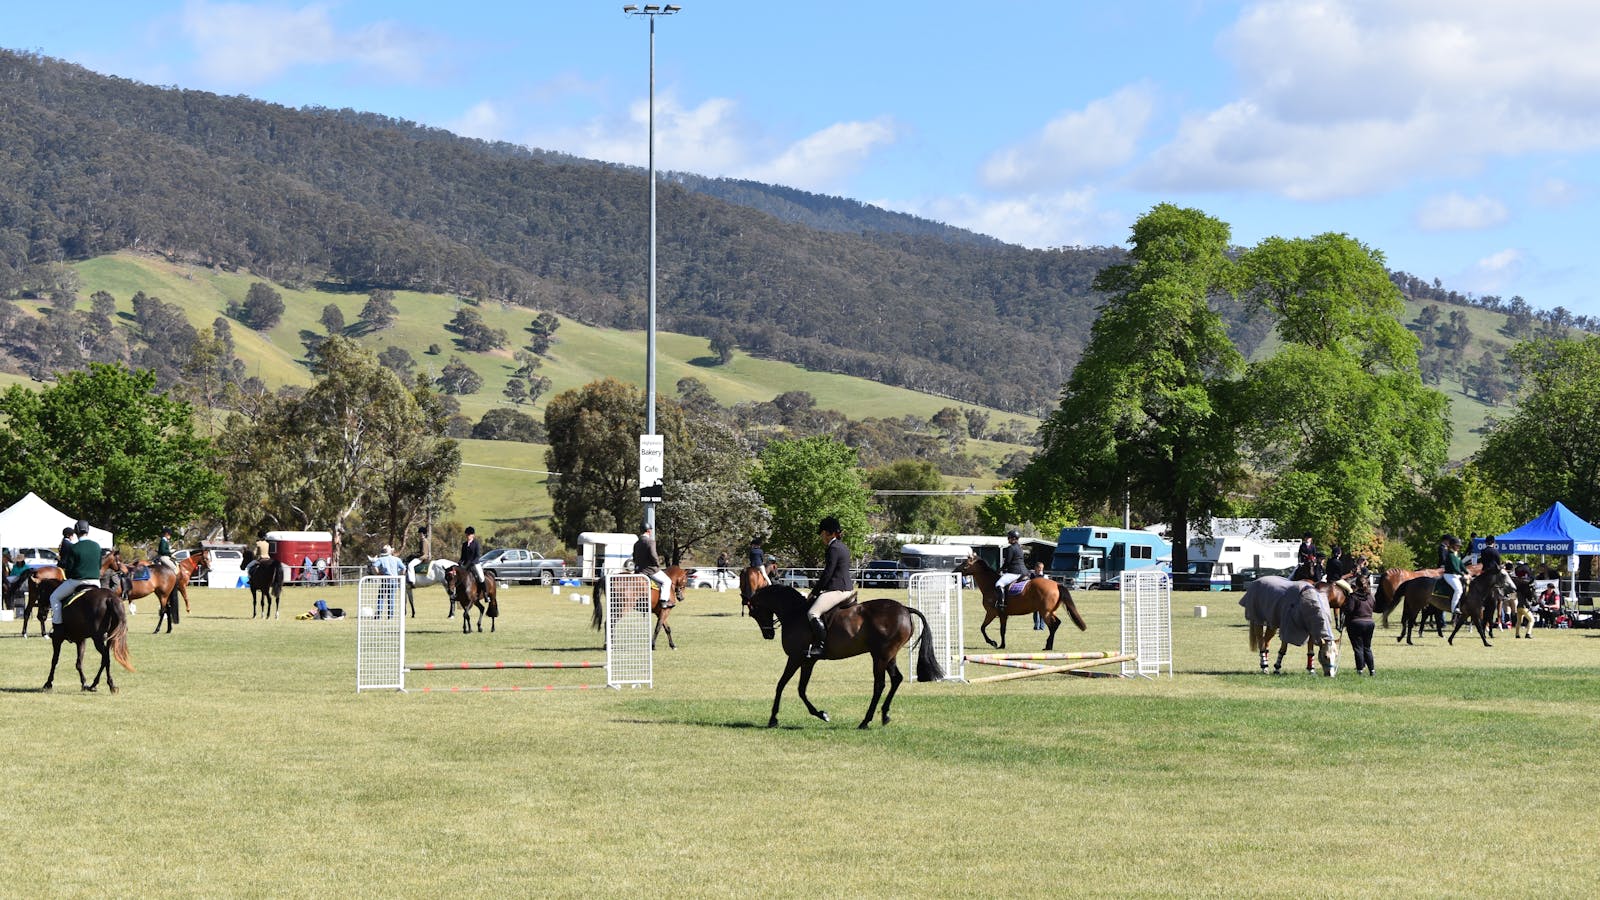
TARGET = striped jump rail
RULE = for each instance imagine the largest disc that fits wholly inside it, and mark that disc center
(1032, 670)
(441, 667)
(486, 689)
(1083, 654)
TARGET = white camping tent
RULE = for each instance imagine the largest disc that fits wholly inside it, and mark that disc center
(31, 522)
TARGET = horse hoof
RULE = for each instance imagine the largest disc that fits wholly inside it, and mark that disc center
(773, 723)
(864, 725)
(114, 689)
(88, 688)
(823, 715)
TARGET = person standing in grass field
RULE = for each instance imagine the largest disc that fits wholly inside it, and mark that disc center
(1358, 617)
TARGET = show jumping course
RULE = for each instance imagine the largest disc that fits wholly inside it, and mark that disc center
(1146, 632)
(381, 642)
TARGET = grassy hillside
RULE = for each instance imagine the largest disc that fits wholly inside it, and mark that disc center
(495, 485)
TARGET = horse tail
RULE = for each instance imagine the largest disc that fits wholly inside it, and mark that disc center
(1072, 609)
(119, 638)
(928, 668)
(599, 617)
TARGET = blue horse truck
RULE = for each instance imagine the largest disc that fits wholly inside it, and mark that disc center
(1096, 556)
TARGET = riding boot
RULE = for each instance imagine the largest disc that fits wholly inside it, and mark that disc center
(1000, 601)
(818, 637)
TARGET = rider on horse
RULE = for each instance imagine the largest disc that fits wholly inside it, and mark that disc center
(834, 587)
(164, 551)
(262, 552)
(757, 556)
(646, 561)
(1309, 559)
(82, 567)
(471, 552)
(1012, 567)
(1454, 569)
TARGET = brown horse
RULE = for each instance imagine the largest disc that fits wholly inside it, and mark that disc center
(464, 590)
(879, 627)
(91, 614)
(1480, 601)
(680, 580)
(1041, 595)
(36, 600)
(161, 583)
(752, 579)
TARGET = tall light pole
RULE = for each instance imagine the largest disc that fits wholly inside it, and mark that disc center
(651, 11)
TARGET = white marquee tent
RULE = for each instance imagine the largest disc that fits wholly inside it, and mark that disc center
(31, 522)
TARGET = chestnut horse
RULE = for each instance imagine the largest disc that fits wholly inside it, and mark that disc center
(90, 614)
(465, 591)
(679, 577)
(161, 583)
(754, 578)
(1040, 595)
(879, 627)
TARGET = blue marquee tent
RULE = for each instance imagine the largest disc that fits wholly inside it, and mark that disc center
(1556, 532)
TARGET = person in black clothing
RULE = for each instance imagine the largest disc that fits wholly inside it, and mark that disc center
(65, 550)
(1338, 564)
(1308, 559)
(647, 561)
(471, 552)
(1012, 568)
(1489, 556)
(757, 556)
(1358, 618)
(834, 587)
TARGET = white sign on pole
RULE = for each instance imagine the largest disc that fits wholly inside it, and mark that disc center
(652, 467)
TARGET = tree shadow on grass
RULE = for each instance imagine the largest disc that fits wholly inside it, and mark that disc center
(713, 723)
(705, 362)
(14, 690)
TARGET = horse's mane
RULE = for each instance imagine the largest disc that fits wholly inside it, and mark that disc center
(784, 598)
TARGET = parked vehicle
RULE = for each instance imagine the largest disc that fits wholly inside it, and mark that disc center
(1243, 577)
(509, 566)
(713, 578)
(1204, 575)
(799, 579)
(933, 557)
(883, 573)
(1096, 556)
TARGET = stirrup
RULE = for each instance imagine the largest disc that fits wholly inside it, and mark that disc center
(815, 651)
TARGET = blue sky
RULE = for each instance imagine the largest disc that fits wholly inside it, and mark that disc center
(1460, 138)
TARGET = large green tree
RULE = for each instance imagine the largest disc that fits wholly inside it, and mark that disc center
(102, 445)
(594, 446)
(1142, 416)
(912, 513)
(358, 448)
(710, 502)
(1461, 503)
(802, 481)
(1338, 420)
(1549, 449)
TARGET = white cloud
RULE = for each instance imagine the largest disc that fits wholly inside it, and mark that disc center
(1455, 212)
(1345, 97)
(821, 161)
(1495, 273)
(1065, 218)
(714, 139)
(1095, 139)
(248, 43)
(483, 119)
(1557, 192)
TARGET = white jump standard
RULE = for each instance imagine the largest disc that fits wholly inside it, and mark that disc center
(937, 595)
(380, 643)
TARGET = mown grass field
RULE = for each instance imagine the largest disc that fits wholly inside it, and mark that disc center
(238, 761)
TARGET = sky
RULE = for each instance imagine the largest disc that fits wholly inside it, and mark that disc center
(1458, 138)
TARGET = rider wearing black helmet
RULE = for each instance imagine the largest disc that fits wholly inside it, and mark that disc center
(81, 566)
(1012, 566)
(834, 587)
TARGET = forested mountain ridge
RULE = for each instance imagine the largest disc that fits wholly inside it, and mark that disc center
(93, 164)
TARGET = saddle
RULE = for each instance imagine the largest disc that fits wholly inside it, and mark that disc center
(140, 573)
(77, 592)
(852, 600)
(1015, 588)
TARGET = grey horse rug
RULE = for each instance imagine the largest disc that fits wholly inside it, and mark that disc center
(1293, 607)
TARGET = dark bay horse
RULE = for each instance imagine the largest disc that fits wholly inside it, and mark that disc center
(94, 614)
(464, 590)
(1480, 601)
(1041, 595)
(36, 600)
(878, 627)
(266, 580)
(680, 580)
